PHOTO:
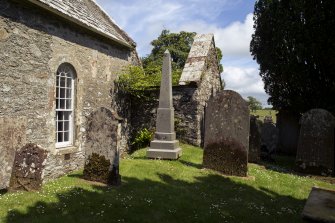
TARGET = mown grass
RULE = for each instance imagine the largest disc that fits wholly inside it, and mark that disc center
(262, 113)
(166, 191)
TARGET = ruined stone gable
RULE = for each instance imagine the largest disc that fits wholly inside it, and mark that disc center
(202, 69)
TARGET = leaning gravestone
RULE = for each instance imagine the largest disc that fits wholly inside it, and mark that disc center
(315, 152)
(12, 137)
(227, 134)
(254, 140)
(101, 148)
(28, 167)
(269, 140)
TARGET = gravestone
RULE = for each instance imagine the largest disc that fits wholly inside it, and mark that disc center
(28, 167)
(316, 143)
(165, 145)
(227, 134)
(269, 140)
(12, 137)
(288, 127)
(320, 206)
(268, 119)
(254, 140)
(102, 155)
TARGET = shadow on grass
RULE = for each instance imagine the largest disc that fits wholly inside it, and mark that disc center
(141, 158)
(76, 175)
(286, 164)
(3, 191)
(212, 198)
(187, 163)
(281, 164)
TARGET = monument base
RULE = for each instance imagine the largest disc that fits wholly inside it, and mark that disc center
(164, 149)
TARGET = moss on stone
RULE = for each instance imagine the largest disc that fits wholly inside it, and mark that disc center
(97, 168)
(228, 157)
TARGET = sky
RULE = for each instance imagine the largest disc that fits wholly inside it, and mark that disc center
(230, 21)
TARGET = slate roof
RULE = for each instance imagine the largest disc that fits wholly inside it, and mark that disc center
(196, 61)
(87, 14)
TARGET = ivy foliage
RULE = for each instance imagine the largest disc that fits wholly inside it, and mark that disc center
(142, 139)
(134, 81)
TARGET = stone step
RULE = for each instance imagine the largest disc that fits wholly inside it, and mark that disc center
(165, 136)
(167, 145)
(164, 154)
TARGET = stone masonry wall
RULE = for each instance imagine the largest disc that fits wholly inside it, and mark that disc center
(144, 112)
(200, 80)
(189, 107)
(33, 43)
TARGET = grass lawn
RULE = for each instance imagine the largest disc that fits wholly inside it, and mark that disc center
(166, 191)
(262, 113)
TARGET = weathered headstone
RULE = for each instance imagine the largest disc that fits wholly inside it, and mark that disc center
(316, 143)
(288, 127)
(227, 134)
(268, 119)
(28, 167)
(102, 155)
(12, 137)
(254, 140)
(320, 206)
(165, 145)
(269, 140)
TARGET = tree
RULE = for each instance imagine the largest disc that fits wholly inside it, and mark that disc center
(254, 104)
(294, 43)
(179, 45)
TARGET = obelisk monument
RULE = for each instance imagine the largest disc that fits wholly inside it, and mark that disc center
(165, 145)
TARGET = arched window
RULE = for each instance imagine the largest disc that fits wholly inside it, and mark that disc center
(65, 88)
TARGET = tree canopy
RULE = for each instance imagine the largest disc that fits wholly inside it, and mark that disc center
(179, 45)
(294, 43)
(254, 104)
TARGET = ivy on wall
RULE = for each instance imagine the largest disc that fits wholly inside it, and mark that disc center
(134, 81)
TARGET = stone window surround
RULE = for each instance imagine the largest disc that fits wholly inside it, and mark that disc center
(54, 64)
(66, 72)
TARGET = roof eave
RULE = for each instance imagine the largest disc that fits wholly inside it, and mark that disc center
(84, 25)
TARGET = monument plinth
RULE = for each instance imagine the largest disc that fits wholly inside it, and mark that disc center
(165, 145)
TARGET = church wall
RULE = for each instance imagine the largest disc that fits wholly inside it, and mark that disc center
(33, 43)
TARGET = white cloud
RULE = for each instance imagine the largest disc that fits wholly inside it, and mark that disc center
(144, 20)
(233, 40)
(245, 81)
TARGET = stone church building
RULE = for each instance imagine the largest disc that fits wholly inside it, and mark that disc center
(58, 63)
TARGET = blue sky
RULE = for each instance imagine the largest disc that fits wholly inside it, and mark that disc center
(229, 20)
